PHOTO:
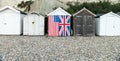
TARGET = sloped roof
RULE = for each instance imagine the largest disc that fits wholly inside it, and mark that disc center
(118, 13)
(111, 13)
(82, 10)
(37, 13)
(59, 11)
(8, 7)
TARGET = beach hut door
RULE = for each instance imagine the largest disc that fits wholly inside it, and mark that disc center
(3, 25)
(110, 26)
(78, 25)
(32, 26)
(88, 26)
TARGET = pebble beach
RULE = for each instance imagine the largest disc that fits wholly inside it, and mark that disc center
(43, 48)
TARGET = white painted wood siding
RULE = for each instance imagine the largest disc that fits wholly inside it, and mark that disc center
(10, 22)
(108, 25)
(33, 25)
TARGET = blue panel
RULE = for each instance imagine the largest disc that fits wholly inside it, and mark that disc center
(66, 34)
(68, 19)
(68, 27)
(60, 27)
(56, 18)
(62, 34)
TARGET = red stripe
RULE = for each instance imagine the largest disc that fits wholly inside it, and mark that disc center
(53, 27)
(58, 29)
(64, 25)
(48, 25)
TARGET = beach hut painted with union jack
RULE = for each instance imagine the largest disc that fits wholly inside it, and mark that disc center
(59, 23)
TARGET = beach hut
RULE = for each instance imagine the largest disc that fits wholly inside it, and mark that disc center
(108, 25)
(84, 23)
(59, 23)
(10, 21)
(33, 24)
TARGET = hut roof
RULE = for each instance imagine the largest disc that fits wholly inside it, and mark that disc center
(112, 13)
(59, 11)
(82, 10)
(8, 7)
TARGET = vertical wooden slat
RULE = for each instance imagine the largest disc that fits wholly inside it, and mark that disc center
(84, 24)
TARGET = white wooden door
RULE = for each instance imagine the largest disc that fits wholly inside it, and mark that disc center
(37, 27)
(26, 26)
(2, 25)
(32, 26)
(117, 26)
(41, 26)
(110, 26)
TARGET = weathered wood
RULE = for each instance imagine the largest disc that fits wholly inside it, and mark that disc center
(84, 23)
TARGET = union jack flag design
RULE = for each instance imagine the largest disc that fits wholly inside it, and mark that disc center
(62, 25)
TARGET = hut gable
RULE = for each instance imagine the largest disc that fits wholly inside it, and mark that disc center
(59, 11)
(110, 14)
(36, 13)
(10, 8)
(84, 11)
(84, 23)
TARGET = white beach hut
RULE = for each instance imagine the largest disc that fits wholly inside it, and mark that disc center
(10, 21)
(108, 25)
(33, 24)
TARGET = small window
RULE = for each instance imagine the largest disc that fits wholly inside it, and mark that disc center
(78, 16)
(89, 20)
